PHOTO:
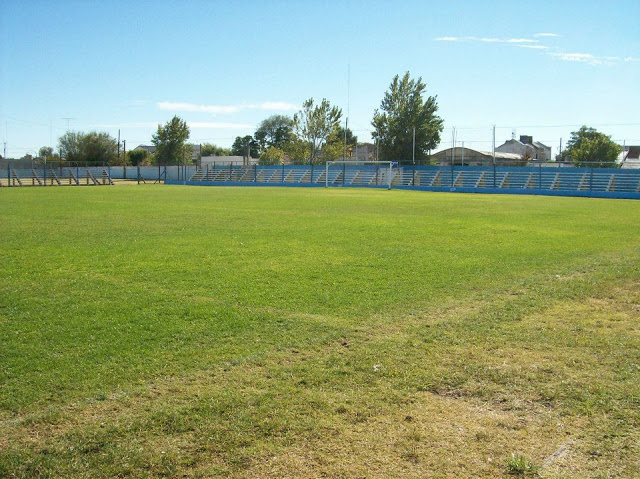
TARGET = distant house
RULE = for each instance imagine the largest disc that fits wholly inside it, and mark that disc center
(630, 157)
(526, 148)
(468, 156)
(363, 152)
(152, 149)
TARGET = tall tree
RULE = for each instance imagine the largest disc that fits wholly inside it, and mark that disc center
(403, 109)
(139, 156)
(246, 147)
(272, 156)
(70, 146)
(209, 149)
(88, 147)
(45, 152)
(170, 142)
(315, 123)
(274, 131)
(589, 147)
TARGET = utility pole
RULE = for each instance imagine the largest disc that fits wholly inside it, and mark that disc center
(346, 125)
(560, 150)
(453, 145)
(493, 145)
(118, 144)
(414, 145)
(493, 154)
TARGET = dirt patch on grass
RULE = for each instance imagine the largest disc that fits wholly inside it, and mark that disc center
(451, 393)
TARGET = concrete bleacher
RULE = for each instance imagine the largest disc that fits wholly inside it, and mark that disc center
(534, 179)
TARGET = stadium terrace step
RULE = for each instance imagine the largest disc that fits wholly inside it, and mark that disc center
(15, 178)
(35, 178)
(197, 176)
(106, 179)
(54, 178)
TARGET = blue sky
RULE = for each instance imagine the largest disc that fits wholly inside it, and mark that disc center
(539, 68)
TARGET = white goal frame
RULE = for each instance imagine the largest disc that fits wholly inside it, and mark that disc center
(347, 162)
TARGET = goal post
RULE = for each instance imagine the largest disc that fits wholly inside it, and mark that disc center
(385, 166)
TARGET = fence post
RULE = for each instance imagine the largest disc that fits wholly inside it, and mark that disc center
(377, 173)
(282, 172)
(45, 175)
(540, 176)
(344, 172)
(591, 179)
(311, 179)
(494, 176)
(413, 182)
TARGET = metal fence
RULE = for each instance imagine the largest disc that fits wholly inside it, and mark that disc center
(547, 179)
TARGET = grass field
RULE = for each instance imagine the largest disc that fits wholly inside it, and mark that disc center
(167, 331)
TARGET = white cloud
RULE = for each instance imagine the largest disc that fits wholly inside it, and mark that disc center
(486, 40)
(180, 106)
(577, 57)
(534, 44)
(534, 47)
(590, 59)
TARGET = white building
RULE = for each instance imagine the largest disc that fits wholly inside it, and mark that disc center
(526, 148)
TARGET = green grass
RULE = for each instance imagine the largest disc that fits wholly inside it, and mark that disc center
(216, 332)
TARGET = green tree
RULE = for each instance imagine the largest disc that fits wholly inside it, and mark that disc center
(403, 109)
(335, 146)
(245, 146)
(45, 152)
(589, 147)
(170, 142)
(139, 156)
(88, 147)
(297, 151)
(100, 147)
(209, 149)
(274, 131)
(70, 146)
(272, 156)
(315, 124)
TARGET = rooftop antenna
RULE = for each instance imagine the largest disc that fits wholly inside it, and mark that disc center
(513, 134)
(68, 119)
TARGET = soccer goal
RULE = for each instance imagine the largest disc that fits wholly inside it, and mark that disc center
(365, 173)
